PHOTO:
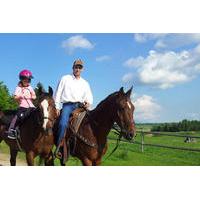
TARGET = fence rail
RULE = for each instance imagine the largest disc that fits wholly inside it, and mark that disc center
(142, 143)
(167, 134)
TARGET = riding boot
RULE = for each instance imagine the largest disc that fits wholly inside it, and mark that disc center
(12, 133)
(57, 152)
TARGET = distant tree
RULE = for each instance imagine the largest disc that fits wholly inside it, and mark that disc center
(38, 86)
(7, 101)
(184, 125)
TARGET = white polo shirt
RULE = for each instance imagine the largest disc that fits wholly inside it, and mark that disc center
(71, 89)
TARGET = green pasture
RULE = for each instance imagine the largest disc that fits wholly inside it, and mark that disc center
(130, 154)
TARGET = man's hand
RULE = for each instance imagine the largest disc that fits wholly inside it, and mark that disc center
(58, 112)
(86, 104)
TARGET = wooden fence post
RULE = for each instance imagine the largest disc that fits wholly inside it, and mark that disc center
(142, 141)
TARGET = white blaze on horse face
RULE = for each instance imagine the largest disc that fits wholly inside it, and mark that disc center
(45, 112)
(129, 105)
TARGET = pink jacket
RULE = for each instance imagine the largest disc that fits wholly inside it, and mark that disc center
(25, 95)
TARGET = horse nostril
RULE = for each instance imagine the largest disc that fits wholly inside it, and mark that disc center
(129, 136)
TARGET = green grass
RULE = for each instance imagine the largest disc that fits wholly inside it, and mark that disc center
(5, 149)
(130, 154)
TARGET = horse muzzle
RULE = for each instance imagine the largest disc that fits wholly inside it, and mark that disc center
(129, 136)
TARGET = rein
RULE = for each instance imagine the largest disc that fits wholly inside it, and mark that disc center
(119, 133)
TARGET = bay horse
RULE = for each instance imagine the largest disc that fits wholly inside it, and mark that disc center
(36, 136)
(91, 140)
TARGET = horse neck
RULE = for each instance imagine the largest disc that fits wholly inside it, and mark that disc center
(102, 118)
(38, 118)
(35, 119)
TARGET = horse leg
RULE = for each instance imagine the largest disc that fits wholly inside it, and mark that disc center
(62, 163)
(62, 160)
(30, 158)
(97, 162)
(49, 161)
(13, 156)
(86, 162)
(99, 159)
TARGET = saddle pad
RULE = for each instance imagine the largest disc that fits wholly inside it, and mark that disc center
(76, 119)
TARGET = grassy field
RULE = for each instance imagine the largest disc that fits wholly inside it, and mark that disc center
(130, 154)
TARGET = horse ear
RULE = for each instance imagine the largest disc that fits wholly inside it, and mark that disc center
(128, 94)
(40, 91)
(121, 90)
(50, 91)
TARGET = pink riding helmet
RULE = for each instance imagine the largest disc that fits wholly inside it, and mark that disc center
(25, 74)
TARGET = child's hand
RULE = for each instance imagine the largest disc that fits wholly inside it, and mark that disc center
(26, 94)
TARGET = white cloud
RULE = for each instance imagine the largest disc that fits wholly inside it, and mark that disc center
(144, 37)
(167, 69)
(139, 37)
(133, 62)
(77, 41)
(103, 58)
(193, 116)
(146, 108)
(127, 77)
(168, 40)
(177, 40)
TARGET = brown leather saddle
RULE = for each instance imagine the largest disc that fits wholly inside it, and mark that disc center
(76, 118)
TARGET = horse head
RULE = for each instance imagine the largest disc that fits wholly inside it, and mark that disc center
(123, 115)
(46, 106)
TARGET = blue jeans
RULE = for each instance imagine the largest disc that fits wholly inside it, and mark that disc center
(67, 109)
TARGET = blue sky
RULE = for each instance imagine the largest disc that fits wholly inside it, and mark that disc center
(163, 68)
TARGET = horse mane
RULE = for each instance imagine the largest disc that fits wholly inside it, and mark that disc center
(108, 99)
(40, 98)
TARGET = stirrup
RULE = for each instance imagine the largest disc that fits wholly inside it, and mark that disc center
(12, 134)
(57, 153)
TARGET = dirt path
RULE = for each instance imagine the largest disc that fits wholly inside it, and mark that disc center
(4, 160)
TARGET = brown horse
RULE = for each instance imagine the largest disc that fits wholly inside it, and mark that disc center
(91, 140)
(36, 136)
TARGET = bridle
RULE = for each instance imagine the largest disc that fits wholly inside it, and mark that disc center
(48, 130)
(50, 119)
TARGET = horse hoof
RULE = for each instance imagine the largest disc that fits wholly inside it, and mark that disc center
(58, 155)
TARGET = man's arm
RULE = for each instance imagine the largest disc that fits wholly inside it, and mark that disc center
(58, 93)
(88, 96)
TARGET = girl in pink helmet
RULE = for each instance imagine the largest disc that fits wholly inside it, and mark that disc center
(24, 94)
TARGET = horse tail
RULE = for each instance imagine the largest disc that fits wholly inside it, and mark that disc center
(1, 139)
(1, 114)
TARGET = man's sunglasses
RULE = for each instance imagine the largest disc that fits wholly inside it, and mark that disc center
(78, 67)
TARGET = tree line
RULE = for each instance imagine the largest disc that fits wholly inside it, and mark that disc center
(7, 101)
(184, 125)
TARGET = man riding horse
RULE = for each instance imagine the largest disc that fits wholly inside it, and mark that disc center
(71, 91)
